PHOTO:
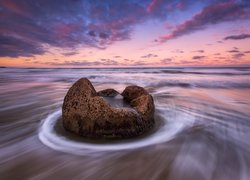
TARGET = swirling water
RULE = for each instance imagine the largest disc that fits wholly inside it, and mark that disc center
(202, 126)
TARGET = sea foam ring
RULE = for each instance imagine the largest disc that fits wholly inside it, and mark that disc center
(58, 141)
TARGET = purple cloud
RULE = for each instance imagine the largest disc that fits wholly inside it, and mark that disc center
(178, 51)
(70, 53)
(14, 47)
(238, 55)
(198, 57)
(212, 14)
(200, 51)
(166, 61)
(149, 56)
(220, 42)
(237, 37)
(29, 27)
(233, 51)
(139, 63)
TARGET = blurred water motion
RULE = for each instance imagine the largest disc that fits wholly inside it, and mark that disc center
(203, 126)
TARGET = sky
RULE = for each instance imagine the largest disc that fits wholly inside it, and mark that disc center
(124, 33)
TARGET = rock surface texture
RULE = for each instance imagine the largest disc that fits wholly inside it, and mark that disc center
(86, 113)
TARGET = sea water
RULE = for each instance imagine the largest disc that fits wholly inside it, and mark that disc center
(202, 126)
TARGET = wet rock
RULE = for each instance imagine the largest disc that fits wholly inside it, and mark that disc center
(133, 92)
(86, 113)
(108, 93)
(142, 102)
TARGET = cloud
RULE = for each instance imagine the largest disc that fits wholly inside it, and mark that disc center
(198, 57)
(233, 51)
(166, 61)
(237, 37)
(109, 62)
(200, 51)
(92, 33)
(101, 62)
(153, 4)
(160, 7)
(212, 14)
(15, 47)
(103, 35)
(178, 51)
(70, 53)
(125, 59)
(32, 27)
(29, 28)
(247, 52)
(149, 56)
(139, 63)
(238, 55)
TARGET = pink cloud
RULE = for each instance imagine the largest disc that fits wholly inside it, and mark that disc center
(63, 30)
(212, 14)
(175, 6)
(153, 4)
(14, 7)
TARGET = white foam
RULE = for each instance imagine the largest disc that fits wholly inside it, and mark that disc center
(48, 136)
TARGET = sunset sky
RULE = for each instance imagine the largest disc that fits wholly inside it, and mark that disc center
(121, 33)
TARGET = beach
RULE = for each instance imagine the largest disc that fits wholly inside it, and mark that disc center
(202, 126)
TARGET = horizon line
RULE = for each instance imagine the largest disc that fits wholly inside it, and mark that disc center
(130, 67)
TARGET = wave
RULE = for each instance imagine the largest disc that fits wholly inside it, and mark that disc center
(166, 129)
(206, 73)
(208, 85)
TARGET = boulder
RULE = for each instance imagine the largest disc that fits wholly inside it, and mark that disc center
(86, 113)
(141, 101)
(133, 92)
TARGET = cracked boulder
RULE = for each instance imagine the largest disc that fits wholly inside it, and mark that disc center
(86, 113)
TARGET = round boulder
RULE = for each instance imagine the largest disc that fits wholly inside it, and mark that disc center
(142, 102)
(86, 113)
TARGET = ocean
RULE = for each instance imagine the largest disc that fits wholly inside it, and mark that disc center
(202, 126)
